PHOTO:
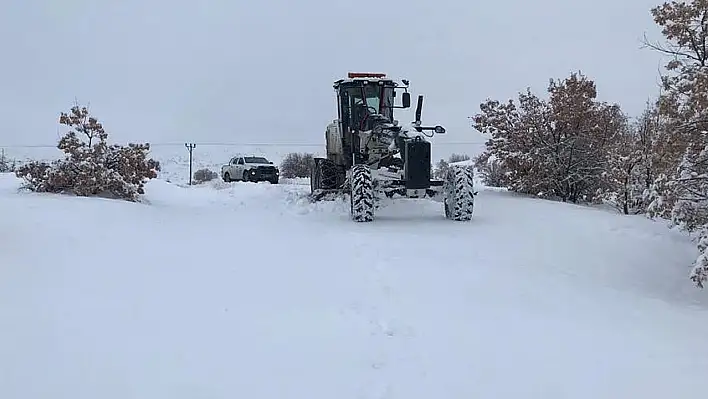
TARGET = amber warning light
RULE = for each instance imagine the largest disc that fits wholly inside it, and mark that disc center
(366, 75)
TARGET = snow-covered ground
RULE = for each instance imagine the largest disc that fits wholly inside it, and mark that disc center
(247, 290)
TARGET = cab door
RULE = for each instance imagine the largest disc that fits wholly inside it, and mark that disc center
(239, 168)
(232, 168)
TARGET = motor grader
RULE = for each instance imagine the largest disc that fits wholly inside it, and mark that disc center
(369, 155)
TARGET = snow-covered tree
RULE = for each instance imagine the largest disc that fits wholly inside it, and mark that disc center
(91, 167)
(622, 184)
(555, 148)
(636, 156)
(682, 192)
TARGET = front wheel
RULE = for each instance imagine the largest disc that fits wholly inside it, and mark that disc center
(458, 190)
(362, 194)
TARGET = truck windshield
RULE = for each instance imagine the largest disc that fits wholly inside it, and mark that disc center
(255, 160)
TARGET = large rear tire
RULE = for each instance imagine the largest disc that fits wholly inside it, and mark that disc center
(316, 178)
(362, 194)
(458, 190)
(325, 176)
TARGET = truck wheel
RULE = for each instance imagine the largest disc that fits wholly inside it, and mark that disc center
(458, 190)
(245, 175)
(227, 177)
(362, 194)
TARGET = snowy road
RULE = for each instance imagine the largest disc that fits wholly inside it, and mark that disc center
(246, 290)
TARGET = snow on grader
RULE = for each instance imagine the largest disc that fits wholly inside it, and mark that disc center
(369, 154)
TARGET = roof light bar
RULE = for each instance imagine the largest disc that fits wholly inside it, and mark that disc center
(353, 75)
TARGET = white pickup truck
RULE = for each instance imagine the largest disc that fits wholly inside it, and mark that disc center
(250, 168)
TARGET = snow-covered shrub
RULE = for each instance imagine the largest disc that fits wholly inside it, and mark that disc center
(204, 175)
(91, 167)
(297, 165)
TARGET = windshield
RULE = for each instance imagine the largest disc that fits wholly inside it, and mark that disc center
(255, 160)
(373, 96)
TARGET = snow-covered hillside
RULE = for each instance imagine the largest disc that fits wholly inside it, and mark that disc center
(247, 290)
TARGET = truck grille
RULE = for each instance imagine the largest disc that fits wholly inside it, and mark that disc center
(266, 170)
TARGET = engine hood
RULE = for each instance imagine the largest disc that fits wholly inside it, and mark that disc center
(260, 164)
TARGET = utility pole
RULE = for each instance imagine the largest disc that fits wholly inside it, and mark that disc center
(190, 148)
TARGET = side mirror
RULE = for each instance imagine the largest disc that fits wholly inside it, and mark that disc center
(406, 100)
(271, 162)
(439, 129)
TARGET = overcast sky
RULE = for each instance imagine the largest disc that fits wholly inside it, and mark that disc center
(262, 70)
